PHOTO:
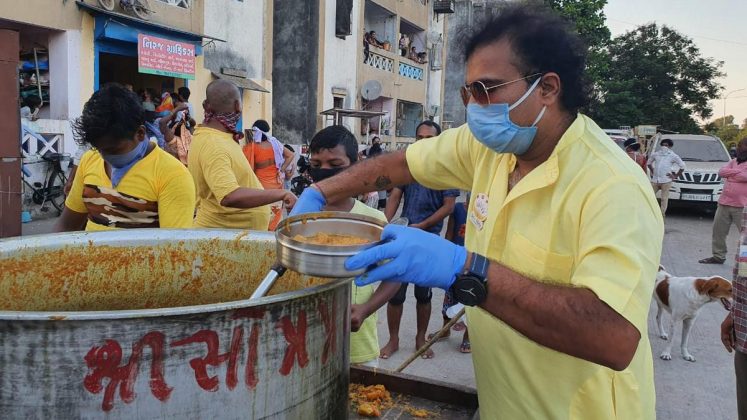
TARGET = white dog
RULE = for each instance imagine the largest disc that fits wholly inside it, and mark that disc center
(683, 297)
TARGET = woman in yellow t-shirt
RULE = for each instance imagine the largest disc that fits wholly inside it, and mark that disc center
(332, 150)
(126, 181)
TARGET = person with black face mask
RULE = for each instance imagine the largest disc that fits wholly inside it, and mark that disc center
(332, 150)
(730, 205)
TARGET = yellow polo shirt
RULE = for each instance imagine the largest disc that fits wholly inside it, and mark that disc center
(219, 167)
(364, 344)
(586, 217)
(157, 192)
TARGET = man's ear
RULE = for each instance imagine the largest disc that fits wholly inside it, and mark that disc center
(140, 133)
(550, 88)
(237, 106)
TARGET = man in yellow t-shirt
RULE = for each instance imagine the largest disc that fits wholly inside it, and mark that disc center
(557, 278)
(332, 150)
(126, 181)
(229, 195)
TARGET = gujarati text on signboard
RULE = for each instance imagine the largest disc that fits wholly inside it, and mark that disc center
(165, 57)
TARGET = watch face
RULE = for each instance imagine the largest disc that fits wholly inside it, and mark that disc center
(469, 290)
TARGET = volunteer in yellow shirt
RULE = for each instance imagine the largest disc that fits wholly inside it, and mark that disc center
(559, 276)
(229, 195)
(126, 181)
(332, 150)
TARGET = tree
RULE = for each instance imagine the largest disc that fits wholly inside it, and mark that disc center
(590, 22)
(728, 133)
(718, 124)
(657, 76)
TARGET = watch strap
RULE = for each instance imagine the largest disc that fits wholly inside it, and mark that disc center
(479, 266)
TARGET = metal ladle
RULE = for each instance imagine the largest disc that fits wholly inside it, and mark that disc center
(278, 269)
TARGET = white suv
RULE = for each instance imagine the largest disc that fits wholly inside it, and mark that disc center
(703, 156)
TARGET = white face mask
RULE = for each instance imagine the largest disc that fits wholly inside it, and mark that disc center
(664, 148)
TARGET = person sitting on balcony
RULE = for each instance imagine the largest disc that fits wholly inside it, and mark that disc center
(125, 181)
(418, 57)
(371, 38)
(422, 57)
(404, 43)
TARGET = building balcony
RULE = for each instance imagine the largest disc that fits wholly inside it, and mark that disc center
(380, 61)
(399, 76)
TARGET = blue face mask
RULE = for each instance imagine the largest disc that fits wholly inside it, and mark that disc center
(492, 126)
(122, 163)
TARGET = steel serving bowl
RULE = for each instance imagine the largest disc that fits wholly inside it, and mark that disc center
(324, 260)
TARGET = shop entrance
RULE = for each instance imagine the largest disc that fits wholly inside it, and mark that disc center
(122, 69)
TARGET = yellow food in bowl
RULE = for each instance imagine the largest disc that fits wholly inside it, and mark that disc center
(332, 239)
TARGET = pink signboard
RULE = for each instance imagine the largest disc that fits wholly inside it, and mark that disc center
(165, 57)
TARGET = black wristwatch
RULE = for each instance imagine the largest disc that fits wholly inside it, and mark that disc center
(471, 288)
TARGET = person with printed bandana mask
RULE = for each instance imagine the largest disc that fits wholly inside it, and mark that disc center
(125, 181)
(331, 151)
(556, 279)
(229, 195)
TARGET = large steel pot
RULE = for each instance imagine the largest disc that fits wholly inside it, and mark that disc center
(155, 324)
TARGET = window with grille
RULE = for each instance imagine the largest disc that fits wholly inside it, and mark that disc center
(178, 3)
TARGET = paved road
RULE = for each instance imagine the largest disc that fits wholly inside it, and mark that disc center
(685, 390)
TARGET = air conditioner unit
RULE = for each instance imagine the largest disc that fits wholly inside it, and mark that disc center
(443, 7)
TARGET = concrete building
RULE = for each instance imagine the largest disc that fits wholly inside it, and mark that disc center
(243, 54)
(320, 63)
(468, 15)
(70, 48)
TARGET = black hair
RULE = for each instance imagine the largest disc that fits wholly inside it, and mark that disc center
(429, 123)
(543, 42)
(264, 126)
(113, 114)
(175, 97)
(185, 93)
(32, 101)
(333, 136)
(667, 141)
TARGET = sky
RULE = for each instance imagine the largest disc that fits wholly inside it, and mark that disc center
(716, 26)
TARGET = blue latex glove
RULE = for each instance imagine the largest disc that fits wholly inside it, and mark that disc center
(416, 256)
(310, 201)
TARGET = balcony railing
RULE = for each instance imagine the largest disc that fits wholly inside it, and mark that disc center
(44, 136)
(411, 72)
(380, 62)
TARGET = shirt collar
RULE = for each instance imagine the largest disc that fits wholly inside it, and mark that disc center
(548, 171)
